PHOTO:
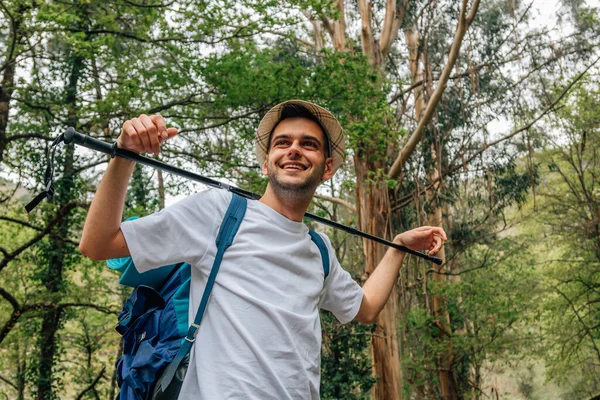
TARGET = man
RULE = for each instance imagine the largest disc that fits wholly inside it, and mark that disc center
(260, 337)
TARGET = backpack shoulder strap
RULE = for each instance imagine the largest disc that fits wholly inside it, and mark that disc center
(322, 249)
(229, 227)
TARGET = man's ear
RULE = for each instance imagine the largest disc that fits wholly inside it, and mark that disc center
(264, 168)
(328, 173)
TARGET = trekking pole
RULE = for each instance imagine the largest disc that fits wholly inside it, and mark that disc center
(71, 136)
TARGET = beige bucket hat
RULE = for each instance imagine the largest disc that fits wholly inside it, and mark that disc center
(332, 127)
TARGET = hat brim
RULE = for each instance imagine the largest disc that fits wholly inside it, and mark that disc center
(335, 134)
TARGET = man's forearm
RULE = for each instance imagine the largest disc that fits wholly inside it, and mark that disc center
(101, 233)
(378, 287)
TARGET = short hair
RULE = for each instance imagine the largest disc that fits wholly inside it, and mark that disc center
(299, 111)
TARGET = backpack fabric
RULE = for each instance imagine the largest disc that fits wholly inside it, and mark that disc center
(157, 336)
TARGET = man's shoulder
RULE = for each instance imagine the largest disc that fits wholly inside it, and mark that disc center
(325, 238)
(208, 198)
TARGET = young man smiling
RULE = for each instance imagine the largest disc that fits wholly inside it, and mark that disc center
(260, 337)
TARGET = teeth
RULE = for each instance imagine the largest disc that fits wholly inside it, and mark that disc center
(293, 167)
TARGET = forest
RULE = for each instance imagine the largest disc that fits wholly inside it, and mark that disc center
(482, 117)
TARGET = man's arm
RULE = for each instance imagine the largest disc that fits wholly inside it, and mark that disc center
(378, 287)
(102, 238)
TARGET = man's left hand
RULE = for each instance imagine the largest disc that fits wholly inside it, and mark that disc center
(429, 238)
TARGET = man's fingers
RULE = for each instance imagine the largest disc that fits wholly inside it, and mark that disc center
(171, 132)
(159, 121)
(142, 134)
(131, 133)
(440, 231)
(436, 245)
(152, 131)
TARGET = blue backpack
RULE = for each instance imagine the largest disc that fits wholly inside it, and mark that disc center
(154, 320)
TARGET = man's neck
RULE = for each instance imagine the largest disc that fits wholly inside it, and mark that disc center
(290, 207)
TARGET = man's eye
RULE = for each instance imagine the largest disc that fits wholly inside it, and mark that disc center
(311, 144)
(280, 143)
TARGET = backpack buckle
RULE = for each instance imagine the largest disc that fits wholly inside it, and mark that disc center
(195, 328)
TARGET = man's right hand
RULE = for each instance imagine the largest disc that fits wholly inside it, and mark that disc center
(145, 134)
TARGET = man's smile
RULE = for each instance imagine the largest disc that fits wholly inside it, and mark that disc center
(293, 166)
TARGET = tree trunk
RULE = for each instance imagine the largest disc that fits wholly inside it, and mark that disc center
(161, 189)
(59, 249)
(445, 360)
(8, 75)
(373, 212)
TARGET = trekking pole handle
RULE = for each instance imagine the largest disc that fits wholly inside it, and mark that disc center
(72, 136)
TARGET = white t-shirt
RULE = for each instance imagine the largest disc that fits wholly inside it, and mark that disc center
(260, 337)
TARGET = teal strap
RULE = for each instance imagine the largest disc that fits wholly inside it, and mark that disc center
(229, 227)
(323, 249)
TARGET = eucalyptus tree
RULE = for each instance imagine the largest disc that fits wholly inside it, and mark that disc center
(354, 67)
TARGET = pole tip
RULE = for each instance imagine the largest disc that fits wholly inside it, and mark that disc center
(436, 260)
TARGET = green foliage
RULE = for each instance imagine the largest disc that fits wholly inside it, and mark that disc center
(212, 69)
(345, 362)
(567, 214)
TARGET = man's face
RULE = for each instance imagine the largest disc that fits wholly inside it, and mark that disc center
(296, 160)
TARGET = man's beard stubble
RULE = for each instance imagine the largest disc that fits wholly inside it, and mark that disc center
(299, 191)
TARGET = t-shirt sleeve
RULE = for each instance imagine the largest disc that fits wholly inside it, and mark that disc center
(341, 294)
(180, 233)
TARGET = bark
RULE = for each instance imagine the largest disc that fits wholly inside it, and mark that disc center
(374, 209)
(349, 206)
(375, 49)
(339, 28)
(8, 76)
(5, 97)
(366, 33)
(416, 72)
(417, 62)
(161, 189)
(448, 385)
(317, 31)
(394, 15)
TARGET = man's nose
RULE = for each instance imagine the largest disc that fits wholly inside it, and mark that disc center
(295, 149)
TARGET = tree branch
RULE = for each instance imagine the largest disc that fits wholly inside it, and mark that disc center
(61, 213)
(23, 223)
(415, 138)
(337, 200)
(339, 31)
(31, 136)
(9, 382)
(366, 32)
(88, 305)
(19, 310)
(581, 321)
(180, 102)
(92, 385)
(394, 16)
(328, 26)
(530, 124)
(8, 297)
(14, 317)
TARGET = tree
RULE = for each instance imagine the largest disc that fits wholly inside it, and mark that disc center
(569, 213)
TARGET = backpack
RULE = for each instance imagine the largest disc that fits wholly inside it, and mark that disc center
(157, 337)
